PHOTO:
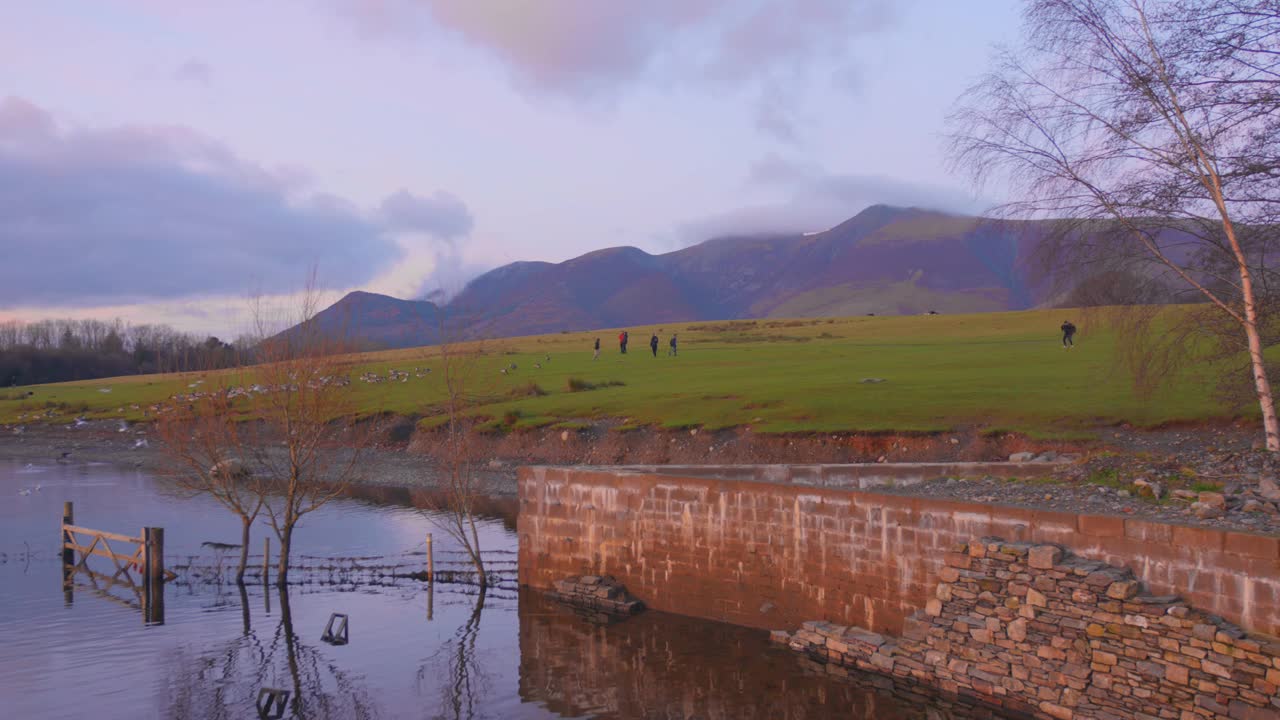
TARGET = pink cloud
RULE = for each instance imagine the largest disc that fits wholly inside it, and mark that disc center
(584, 47)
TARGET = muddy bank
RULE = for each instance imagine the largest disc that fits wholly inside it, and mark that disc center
(601, 445)
(1159, 474)
(401, 456)
(385, 464)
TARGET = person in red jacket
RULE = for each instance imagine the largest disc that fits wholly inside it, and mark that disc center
(622, 342)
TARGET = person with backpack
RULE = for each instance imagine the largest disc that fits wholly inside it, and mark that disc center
(653, 344)
(622, 342)
(1068, 332)
(672, 351)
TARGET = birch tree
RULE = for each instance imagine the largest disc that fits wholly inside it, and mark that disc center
(1149, 130)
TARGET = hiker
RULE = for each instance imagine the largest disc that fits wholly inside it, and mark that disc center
(597, 355)
(653, 344)
(622, 342)
(1068, 332)
(672, 351)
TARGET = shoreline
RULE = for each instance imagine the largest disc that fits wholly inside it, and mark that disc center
(1175, 460)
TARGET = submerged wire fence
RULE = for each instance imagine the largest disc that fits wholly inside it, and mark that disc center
(213, 572)
(410, 566)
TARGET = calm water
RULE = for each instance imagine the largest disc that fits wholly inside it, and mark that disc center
(413, 654)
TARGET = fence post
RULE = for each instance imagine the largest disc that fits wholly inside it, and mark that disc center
(68, 518)
(68, 555)
(431, 562)
(153, 574)
(154, 554)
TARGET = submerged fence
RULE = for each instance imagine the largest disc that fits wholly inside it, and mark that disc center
(147, 560)
(139, 572)
(449, 566)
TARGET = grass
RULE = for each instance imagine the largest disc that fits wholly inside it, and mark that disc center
(1107, 477)
(994, 370)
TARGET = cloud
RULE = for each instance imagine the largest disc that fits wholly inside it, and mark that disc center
(194, 72)
(138, 214)
(441, 215)
(810, 198)
(775, 117)
(591, 49)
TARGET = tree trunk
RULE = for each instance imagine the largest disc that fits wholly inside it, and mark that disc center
(245, 526)
(1270, 425)
(476, 557)
(282, 571)
(481, 575)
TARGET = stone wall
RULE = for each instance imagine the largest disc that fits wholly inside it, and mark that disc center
(1040, 631)
(776, 546)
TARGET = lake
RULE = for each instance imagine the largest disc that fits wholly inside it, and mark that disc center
(85, 652)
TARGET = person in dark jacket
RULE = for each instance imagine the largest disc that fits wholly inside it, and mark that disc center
(653, 345)
(1068, 332)
(597, 355)
(672, 351)
(622, 342)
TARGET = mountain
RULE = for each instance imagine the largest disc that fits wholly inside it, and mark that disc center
(379, 321)
(885, 260)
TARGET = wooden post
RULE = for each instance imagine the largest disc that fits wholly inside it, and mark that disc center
(154, 554)
(431, 580)
(68, 518)
(68, 556)
(266, 559)
(153, 574)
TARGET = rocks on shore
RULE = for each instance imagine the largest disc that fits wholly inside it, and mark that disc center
(602, 596)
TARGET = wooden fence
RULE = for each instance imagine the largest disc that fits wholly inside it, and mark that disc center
(146, 560)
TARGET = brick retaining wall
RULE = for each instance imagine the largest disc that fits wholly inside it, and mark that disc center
(774, 554)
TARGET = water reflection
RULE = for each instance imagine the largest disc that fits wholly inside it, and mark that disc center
(442, 652)
(656, 665)
(501, 507)
(459, 669)
(223, 681)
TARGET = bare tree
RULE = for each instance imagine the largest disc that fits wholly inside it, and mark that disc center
(1150, 129)
(303, 435)
(460, 482)
(201, 438)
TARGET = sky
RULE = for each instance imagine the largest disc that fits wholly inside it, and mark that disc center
(163, 161)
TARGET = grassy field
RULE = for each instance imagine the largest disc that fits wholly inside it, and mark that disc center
(1003, 371)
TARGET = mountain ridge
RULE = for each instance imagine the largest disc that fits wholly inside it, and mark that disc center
(883, 260)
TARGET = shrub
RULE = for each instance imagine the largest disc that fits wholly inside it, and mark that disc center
(529, 389)
(579, 385)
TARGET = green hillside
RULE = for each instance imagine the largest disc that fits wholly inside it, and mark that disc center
(994, 370)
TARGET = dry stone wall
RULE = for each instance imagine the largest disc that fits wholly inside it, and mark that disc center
(1036, 630)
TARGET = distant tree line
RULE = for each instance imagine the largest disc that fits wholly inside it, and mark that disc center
(59, 350)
